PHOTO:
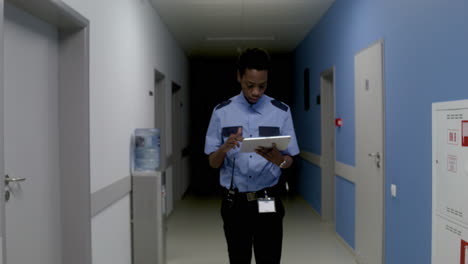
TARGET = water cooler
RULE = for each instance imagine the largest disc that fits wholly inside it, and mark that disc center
(148, 198)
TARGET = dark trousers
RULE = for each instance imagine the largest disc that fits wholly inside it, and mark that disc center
(245, 227)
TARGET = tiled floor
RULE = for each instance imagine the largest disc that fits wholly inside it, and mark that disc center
(195, 235)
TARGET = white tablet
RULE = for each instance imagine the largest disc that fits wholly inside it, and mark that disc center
(250, 144)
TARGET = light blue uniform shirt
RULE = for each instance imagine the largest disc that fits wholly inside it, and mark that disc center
(267, 117)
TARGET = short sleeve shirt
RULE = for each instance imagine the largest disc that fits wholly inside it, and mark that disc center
(268, 117)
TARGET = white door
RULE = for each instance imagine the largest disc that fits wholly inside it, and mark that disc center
(368, 66)
(327, 160)
(31, 148)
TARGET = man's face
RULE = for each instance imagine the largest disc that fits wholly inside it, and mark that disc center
(253, 83)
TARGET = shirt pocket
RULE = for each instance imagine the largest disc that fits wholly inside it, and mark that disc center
(227, 131)
(268, 131)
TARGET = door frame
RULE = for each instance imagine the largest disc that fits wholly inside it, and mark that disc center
(160, 117)
(74, 129)
(327, 166)
(176, 141)
(162, 120)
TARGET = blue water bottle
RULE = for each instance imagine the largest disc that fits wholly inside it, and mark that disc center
(147, 148)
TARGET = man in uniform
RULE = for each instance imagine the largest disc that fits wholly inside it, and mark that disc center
(252, 211)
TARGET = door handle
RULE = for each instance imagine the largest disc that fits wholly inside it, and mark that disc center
(8, 179)
(376, 156)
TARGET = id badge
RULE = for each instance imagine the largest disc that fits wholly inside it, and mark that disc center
(266, 205)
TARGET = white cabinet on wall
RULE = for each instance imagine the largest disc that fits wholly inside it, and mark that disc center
(450, 182)
(449, 236)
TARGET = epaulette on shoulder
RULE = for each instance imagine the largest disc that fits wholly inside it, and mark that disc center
(223, 104)
(280, 105)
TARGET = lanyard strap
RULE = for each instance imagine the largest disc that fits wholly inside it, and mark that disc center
(232, 177)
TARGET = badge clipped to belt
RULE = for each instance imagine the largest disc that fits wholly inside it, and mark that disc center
(267, 204)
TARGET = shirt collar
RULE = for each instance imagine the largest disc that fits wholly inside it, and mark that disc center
(258, 107)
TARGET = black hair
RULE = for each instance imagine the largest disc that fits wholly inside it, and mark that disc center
(253, 58)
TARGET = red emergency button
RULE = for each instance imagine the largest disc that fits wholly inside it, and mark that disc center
(338, 122)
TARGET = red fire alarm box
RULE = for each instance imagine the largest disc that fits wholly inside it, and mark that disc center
(465, 134)
(463, 252)
(339, 122)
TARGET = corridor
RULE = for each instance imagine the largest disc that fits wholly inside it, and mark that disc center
(360, 77)
(195, 234)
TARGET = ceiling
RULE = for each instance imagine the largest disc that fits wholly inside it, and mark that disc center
(223, 27)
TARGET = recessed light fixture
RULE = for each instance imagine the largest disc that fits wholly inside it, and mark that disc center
(239, 38)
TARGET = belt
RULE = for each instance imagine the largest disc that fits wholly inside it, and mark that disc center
(252, 196)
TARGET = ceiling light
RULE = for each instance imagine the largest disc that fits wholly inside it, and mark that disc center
(239, 38)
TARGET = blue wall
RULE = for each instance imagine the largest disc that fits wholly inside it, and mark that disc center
(426, 56)
(310, 182)
(345, 199)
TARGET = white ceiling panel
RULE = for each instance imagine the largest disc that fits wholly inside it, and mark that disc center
(222, 27)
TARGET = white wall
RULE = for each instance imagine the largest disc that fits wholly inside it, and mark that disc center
(128, 41)
(111, 242)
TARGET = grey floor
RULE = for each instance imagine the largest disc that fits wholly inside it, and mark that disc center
(195, 235)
